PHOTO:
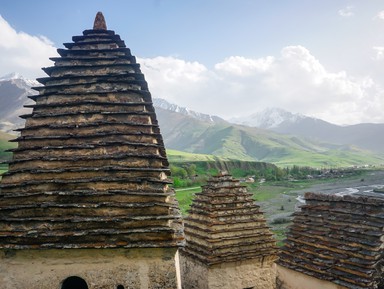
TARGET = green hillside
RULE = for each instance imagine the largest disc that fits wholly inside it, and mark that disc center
(198, 141)
(5, 144)
(175, 156)
(252, 144)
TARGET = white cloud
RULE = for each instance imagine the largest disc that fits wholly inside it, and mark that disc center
(23, 53)
(380, 15)
(242, 66)
(379, 52)
(295, 80)
(347, 11)
(174, 79)
(173, 69)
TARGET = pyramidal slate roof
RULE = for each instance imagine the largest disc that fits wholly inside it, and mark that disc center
(338, 239)
(90, 170)
(226, 225)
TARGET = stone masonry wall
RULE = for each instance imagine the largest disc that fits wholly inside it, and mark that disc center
(290, 279)
(194, 274)
(256, 274)
(101, 269)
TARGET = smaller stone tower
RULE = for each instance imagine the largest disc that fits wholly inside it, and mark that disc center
(335, 242)
(228, 242)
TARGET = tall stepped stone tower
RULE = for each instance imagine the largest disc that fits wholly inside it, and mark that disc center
(86, 202)
(229, 245)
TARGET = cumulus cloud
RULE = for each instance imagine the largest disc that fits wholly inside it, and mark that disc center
(23, 53)
(347, 11)
(294, 80)
(242, 66)
(174, 79)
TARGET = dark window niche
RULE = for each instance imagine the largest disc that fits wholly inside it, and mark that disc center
(74, 282)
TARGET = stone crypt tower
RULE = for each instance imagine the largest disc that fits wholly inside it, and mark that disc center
(335, 242)
(86, 202)
(229, 245)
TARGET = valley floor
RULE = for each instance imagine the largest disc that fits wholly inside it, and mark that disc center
(278, 200)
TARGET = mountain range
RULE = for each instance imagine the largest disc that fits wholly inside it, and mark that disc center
(14, 90)
(228, 140)
(273, 135)
(369, 136)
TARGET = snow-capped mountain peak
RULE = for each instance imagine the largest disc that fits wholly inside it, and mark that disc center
(162, 103)
(10, 76)
(14, 92)
(17, 77)
(269, 118)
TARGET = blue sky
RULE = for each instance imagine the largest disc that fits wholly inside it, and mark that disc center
(320, 58)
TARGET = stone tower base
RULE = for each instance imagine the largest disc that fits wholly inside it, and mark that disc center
(251, 273)
(88, 269)
(290, 279)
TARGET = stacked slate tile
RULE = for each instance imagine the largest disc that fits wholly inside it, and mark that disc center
(338, 239)
(90, 169)
(226, 225)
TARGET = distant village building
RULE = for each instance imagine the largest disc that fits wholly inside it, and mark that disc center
(228, 244)
(86, 202)
(335, 242)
